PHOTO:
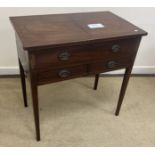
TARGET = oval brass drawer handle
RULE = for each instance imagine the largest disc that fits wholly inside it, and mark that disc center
(64, 56)
(116, 48)
(64, 73)
(112, 64)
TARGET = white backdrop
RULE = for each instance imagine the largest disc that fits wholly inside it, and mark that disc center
(142, 17)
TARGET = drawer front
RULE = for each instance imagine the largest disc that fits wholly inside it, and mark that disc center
(60, 74)
(109, 65)
(53, 58)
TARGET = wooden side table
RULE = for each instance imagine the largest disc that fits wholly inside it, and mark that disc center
(58, 47)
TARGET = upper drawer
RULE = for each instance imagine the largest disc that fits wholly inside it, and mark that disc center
(53, 58)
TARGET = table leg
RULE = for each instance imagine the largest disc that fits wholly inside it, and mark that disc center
(96, 81)
(123, 89)
(22, 77)
(34, 92)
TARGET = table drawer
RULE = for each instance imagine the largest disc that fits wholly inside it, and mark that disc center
(53, 58)
(109, 65)
(60, 74)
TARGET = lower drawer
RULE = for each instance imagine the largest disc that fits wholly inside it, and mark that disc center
(109, 65)
(61, 74)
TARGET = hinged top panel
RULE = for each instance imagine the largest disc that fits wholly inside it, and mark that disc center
(42, 31)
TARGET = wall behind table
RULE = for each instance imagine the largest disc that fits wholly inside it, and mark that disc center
(142, 17)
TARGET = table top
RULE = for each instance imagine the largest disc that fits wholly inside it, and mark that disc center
(39, 31)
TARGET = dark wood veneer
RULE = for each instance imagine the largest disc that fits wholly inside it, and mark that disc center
(48, 58)
(54, 75)
(59, 47)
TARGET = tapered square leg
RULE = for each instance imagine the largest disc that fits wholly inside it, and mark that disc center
(34, 92)
(23, 83)
(96, 81)
(123, 89)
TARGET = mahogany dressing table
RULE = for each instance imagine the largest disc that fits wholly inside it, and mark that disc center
(58, 47)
